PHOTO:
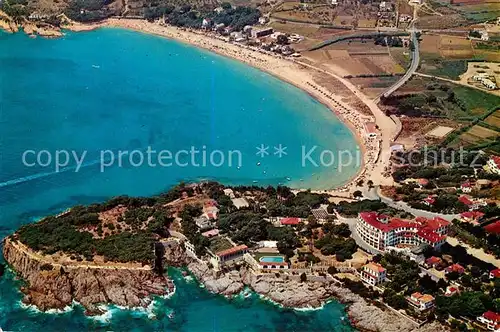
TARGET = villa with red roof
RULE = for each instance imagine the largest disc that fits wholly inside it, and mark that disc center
(421, 301)
(429, 200)
(493, 164)
(433, 262)
(491, 320)
(495, 274)
(471, 204)
(373, 274)
(380, 231)
(451, 290)
(230, 255)
(493, 228)
(290, 221)
(472, 217)
(466, 187)
(455, 268)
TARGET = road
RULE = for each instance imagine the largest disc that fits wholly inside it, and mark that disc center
(374, 193)
(415, 60)
(478, 253)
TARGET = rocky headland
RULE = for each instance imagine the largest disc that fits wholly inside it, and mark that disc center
(50, 286)
(295, 294)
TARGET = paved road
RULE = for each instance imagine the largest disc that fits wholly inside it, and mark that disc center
(374, 193)
(478, 253)
(415, 60)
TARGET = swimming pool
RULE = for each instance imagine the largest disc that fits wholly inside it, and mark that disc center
(272, 259)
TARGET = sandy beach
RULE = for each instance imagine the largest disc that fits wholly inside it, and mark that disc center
(290, 70)
(293, 71)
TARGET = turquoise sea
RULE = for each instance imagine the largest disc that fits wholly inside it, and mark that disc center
(97, 94)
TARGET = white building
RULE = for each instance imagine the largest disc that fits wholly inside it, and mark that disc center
(370, 129)
(228, 256)
(491, 320)
(373, 274)
(494, 164)
(190, 248)
(380, 232)
(421, 301)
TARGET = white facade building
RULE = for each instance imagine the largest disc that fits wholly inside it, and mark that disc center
(373, 274)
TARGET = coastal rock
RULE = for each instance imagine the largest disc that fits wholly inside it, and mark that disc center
(51, 286)
(175, 255)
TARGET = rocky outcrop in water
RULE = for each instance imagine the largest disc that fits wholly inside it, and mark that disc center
(50, 286)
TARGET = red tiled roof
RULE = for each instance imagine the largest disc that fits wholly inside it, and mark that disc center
(432, 224)
(472, 214)
(210, 215)
(423, 182)
(455, 268)
(466, 185)
(465, 200)
(433, 260)
(231, 251)
(375, 267)
(431, 200)
(430, 235)
(492, 316)
(496, 160)
(495, 273)
(290, 221)
(493, 228)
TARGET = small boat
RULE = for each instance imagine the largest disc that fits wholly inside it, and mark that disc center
(255, 181)
(96, 66)
(171, 315)
(289, 179)
(258, 164)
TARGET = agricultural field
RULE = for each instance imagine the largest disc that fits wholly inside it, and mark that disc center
(441, 14)
(356, 58)
(494, 119)
(445, 56)
(374, 86)
(424, 97)
(479, 135)
(354, 13)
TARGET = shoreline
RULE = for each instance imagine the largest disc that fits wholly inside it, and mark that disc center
(289, 71)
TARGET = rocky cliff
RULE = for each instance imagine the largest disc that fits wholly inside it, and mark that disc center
(50, 286)
(296, 294)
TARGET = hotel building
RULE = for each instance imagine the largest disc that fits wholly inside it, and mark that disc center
(380, 231)
(373, 274)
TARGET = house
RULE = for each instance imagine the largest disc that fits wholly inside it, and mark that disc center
(421, 301)
(204, 222)
(466, 187)
(472, 204)
(219, 10)
(263, 20)
(373, 274)
(429, 200)
(489, 84)
(433, 262)
(490, 319)
(259, 33)
(190, 248)
(230, 255)
(219, 27)
(455, 268)
(484, 35)
(370, 129)
(211, 233)
(290, 221)
(493, 164)
(229, 192)
(473, 217)
(206, 23)
(422, 182)
(451, 290)
(495, 274)
(240, 202)
(482, 184)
